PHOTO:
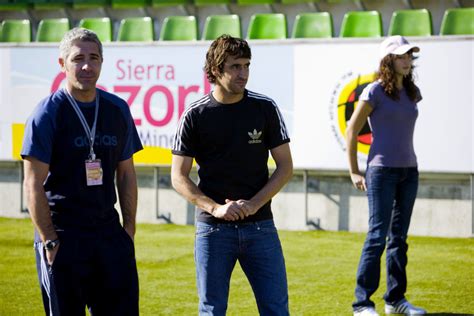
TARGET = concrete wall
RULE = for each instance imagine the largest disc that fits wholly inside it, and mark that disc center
(443, 206)
(311, 200)
(11, 193)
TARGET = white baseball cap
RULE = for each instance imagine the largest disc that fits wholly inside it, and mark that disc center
(396, 45)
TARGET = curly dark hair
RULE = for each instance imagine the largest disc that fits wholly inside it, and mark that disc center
(224, 46)
(386, 75)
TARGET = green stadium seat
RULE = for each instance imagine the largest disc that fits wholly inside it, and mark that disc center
(255, 2)
(267, 26)
(18, 31)
(167, 3)
(179, 28)
(136, 30)
(14, 5)
(411, 23)
(458, 22)
(361, 24)
(313, 25)
(211, 2)
(128, 4)
(216, 25)
(297, 1)
(101, 26)
(52, 30)
(49, 4)
(89, 4)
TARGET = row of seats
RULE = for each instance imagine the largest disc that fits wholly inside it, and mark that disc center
(261, 26)
(115, 4)
(132, 4)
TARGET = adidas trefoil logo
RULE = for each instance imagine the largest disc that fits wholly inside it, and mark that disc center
(255, 136)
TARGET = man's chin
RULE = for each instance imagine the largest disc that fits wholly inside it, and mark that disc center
(239, 90)
(86, 87)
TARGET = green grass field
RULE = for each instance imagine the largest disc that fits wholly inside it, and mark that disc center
(321, 272)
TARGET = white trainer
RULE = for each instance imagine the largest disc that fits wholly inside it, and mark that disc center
(366, 311)
(404, 308)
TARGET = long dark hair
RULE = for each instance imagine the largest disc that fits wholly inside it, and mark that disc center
(220, 49)
(386, 75)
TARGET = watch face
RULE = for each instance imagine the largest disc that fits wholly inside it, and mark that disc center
(50, 244)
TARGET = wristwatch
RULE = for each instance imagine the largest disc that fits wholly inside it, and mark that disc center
(51, 244)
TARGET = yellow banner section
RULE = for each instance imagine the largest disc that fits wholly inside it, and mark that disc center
(153, 156)
(162, 156)
(18, 131)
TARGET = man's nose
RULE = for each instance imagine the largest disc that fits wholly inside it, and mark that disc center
(243, 73)
(86, 66)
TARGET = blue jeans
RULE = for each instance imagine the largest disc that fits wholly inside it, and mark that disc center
(257, 248)
(391, 193)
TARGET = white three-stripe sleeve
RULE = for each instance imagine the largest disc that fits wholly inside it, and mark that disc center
(180, 140)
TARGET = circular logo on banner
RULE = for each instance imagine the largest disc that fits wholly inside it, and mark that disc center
(344, 101)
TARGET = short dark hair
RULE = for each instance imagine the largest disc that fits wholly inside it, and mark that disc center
(78, 34)
(224, 46)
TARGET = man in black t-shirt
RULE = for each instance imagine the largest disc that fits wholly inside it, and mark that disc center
(77, 141)
(230, 133)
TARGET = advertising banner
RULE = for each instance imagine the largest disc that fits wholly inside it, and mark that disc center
(330, 78)
(316, 84)
(157, 83)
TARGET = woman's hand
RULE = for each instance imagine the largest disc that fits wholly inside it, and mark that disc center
(358, 180)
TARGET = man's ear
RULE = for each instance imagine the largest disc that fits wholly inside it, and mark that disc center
(216, 72)
(62, 64)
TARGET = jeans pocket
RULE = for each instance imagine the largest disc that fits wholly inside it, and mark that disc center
(376, 173)
(377, 170)
(267, 227)
(204, 230)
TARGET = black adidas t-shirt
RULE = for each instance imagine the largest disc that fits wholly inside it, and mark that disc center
(231, 144)
(55, 135)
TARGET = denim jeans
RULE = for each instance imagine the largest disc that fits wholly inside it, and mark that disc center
(257, 248)
(391, 193)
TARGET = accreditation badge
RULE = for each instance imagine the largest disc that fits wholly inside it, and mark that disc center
(93, 172)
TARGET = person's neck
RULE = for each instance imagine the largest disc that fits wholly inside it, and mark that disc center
(399, 82)
(224, 97)
(81, 95)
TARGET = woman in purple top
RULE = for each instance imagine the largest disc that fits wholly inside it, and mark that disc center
(391, 180)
